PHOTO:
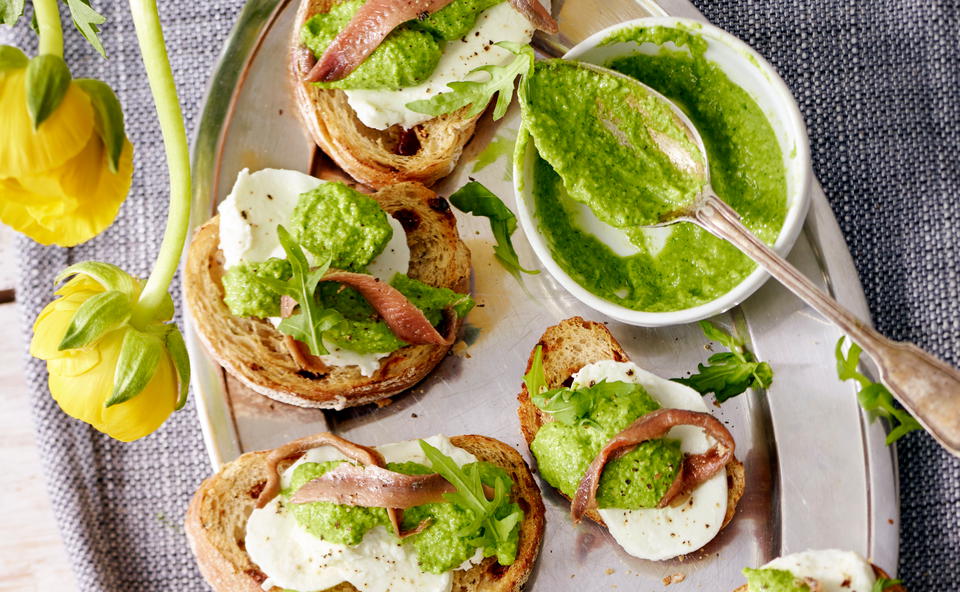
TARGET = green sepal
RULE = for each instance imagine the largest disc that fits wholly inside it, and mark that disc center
(100, 313)
(48, 79)
(11, 58)
(88, 21)
(109, 118)
(139, 356)
(181, 361)
(107, 275)
(10, 11)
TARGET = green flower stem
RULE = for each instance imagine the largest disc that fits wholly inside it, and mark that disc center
(48, 23)
(154, 54)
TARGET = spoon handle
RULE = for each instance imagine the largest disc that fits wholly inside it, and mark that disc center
(927, 387)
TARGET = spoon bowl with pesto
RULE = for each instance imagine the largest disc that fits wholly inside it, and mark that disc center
(601, 142)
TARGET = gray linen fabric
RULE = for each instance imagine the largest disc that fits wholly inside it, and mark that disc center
(877, 81)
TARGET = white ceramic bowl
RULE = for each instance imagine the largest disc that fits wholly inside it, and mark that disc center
(750, 71)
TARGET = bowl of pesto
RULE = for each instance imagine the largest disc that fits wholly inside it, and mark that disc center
(582, 227)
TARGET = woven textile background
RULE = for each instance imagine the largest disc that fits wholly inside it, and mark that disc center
(878, 82)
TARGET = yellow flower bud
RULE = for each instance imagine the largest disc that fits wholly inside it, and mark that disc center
(56, 182)
(84, 380)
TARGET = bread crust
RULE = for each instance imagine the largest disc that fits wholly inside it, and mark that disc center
(216, 522)
(566, 348)
(876, 570)
(253, 350)
(369, 155)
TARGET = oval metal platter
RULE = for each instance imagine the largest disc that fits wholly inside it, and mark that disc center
(818, 472)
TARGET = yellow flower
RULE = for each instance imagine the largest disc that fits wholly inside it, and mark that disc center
(87, 380)
(56, 183)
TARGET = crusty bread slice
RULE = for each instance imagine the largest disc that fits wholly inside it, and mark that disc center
(217, 517)
(876, 570)
(253, 350)
(425, 154)
(566, 348)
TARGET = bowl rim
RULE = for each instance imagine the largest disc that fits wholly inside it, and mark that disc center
(789, 232)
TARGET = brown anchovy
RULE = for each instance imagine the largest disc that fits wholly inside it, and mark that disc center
(406, 321)
(364, 33)
(378, 18)
(361, 454)
(536, 14)
(696, 468)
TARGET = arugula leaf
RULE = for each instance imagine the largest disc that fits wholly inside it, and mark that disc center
(534, 379)
(875, 399)
(495, 519)
(474, 198)
(728, 374)
(566, 405)
(478, 94)
(311, 320)
(882, 584)
(88, 21)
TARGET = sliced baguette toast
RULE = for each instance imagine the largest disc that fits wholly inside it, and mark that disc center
(876, 570)
(566, 348)
(253, 350)
(217, 516)
(425, 153)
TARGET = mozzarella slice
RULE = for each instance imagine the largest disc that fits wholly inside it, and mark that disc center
(257, 204)
(663, 533)
(294, 559)
(381, 108)
(837, 571)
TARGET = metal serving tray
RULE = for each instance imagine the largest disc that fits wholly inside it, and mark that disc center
(818, 473)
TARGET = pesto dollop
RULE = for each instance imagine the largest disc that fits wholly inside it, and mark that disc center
(442, 546)
(638, 479)
(339, 222)
(681, 266)
(773, 580)
(407, 56)
(246, 296)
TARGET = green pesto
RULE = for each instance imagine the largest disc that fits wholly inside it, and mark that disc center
(623, 175)
(432, 301)
(454, 20)
(340, 222)
(407, 56)
(340, 524)
(245, 296)
(773, 580)
(440, 547)
(639, 479)
(746, 167)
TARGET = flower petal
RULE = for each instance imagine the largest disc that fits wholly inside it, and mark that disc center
(72, 203)
(25, 151)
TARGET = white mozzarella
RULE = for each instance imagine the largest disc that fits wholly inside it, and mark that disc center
(381, 109)
(258, 203)
(663, 533)
(294, 559)
(837, 571)
(395, 256)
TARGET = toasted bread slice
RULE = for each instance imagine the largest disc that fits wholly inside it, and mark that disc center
(876, 570)
(566, 348)
(217, 517)
(253, 350)
(425, 153)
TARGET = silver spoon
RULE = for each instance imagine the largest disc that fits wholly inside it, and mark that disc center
(926, 386)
